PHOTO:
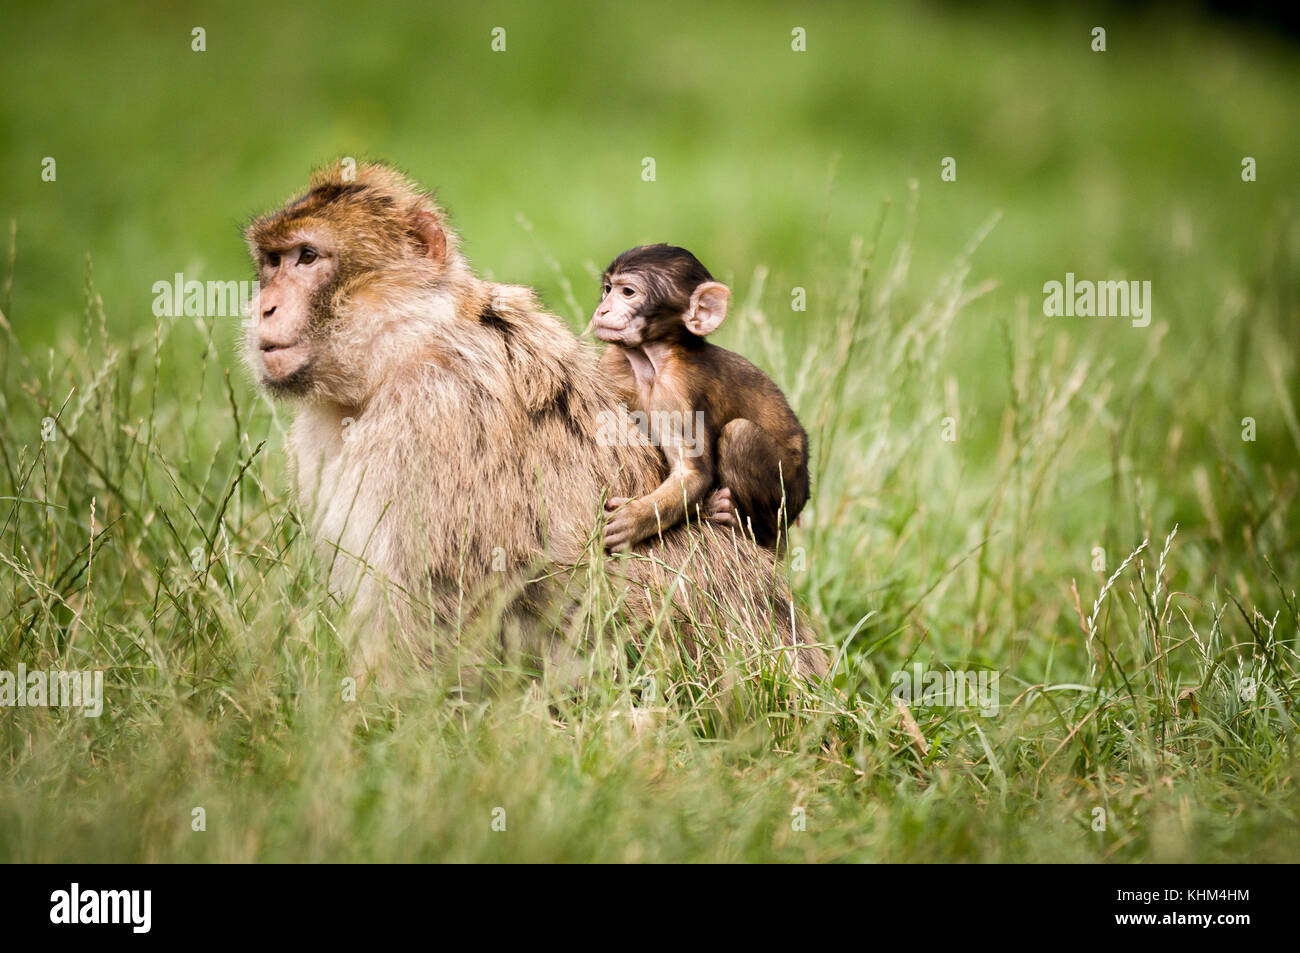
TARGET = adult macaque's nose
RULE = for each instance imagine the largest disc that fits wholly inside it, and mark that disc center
(273, 330)
(268, 299)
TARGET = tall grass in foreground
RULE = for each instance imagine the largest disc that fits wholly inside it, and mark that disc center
(1142, 628)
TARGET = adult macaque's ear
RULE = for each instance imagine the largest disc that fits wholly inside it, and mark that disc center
(430, 239)
(708, 308)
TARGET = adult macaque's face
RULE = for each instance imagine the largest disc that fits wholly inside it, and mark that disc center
(622, 316)
(292, 279)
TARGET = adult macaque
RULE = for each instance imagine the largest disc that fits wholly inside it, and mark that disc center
(446, 443)
(721, 423)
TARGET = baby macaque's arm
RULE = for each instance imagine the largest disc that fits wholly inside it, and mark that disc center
(678, 497)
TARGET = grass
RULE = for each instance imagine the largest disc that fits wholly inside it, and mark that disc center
(1066, 502)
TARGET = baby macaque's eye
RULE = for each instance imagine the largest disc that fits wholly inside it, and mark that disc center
(307, 257)
(628, 291)
(605, 290)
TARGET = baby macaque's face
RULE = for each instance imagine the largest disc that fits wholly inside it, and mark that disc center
(654, 293)
(622, 315)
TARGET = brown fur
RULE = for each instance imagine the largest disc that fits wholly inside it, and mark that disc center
(473, 444)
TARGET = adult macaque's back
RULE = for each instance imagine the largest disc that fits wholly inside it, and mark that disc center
(447, 439)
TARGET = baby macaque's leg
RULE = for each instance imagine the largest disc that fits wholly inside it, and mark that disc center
(751, 474)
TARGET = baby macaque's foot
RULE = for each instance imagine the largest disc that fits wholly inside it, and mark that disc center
(718, 508)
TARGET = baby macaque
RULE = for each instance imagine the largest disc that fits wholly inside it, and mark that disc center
(737, 455)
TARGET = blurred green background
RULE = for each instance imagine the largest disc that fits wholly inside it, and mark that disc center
(1117, 164)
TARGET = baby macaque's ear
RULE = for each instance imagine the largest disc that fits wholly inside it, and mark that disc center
(708, 308)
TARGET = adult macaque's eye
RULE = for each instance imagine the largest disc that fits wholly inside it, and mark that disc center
(273, 259)
(307, 257)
